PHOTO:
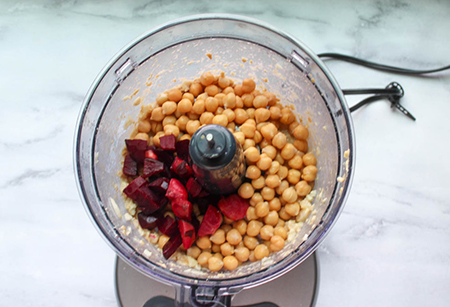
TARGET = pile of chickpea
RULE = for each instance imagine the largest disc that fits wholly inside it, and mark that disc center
(280, 170)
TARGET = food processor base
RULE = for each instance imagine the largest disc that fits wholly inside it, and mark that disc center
(297, 288)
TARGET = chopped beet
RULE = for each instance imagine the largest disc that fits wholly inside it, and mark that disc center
(176, 190)
(171, 246)
(193, 187)
(167, 226)
(152, 167)
(182, 208)
(182, 149)
(181, 168)
(204, 202)
(234, 207)
(211, 222)
(137, 149)
(147, 221)
(129, 166)
(147, 199)
(203, 193)
(187, 232)
(164, 156)
(131, 189)
(151, 154)
(160, 185)
(167, 142)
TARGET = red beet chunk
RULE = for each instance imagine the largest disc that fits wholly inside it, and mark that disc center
(167, 226)
(187, 232)
(181, 168)
(129, 166)
(182, 208)
(193, 187)
(171, 246)
(167, 142)
(234, 207)
(176, 190)
(182, 149)
(165, 157)
(137, 149)
(204, 202)
(131, 189)
(147, 221)
(211, 222)
(151, 154)
(147, 200)
(160, 185)
(152, 167)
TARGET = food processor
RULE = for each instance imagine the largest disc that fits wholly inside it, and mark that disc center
(163, 58)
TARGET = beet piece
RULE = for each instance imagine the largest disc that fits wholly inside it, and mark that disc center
(176, 190)
(160, 185)
(137, 149)
(234, 207)
(167, 142)
(151, 154)
(147, 221)
(131, 189)
(203, 193)
(152, 167)
(182, 149)
(182, 208)
(167, 226)
(147, 199)
(181, 168)
(187, 232)
(204, 202)
(193, 187)
(211, 222)
(164, 156)
(129, 166)
(171, 246)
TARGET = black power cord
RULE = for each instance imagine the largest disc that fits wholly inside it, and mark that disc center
(393, 92)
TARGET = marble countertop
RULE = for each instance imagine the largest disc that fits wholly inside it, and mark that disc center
(391, 245)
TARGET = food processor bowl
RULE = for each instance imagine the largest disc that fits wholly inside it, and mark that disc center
(182, 50)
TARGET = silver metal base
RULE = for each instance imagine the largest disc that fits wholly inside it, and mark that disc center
(298, 288)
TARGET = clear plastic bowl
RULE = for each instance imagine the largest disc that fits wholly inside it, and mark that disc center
(162, 58)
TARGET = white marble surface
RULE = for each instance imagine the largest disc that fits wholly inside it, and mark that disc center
(391, 246)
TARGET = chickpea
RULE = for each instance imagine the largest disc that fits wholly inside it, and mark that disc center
(250, 113)
(215, 248)
(207, 78)
(247, 99)
(266, 232)
(169, 107)
(230, 115)
(296, 162)
(264, 162)
(192, 116)
(273, 181)
(303, 188)
(199, 107)
(251, 214)
(301, 145)
(206, 118)
(192, 126)
(274, 168)
(229, 101)
(169, 120)
(268, 193)
(264, 143)
(185, 137)
(292, 126)
(212, 90)
(283, 214)
(253, 172)
(226, 227)
(287, 117)
(234, 237)
(249, 143)
(203, 242)
(230, 263)
(309, 159)
(174, 95)
(279, 159)
(239, 102)
(241, 253)
(258, 137)
(309, 173)
(161, 99)
(246, 190)
(241, 116)
(253, 228)
(252, 154)
(215, 264)
(281, 223)
(279, 140)
(193, 252)
(155, 140)
(259, 183)
(224, 83)
(261, 251)
(280, 231)
(157, 114)
(276, 243)
(292, 209)
(226, 249)
(248, 86)
(262, 115)
(218, 237)
(162, 240)
(203, 96)
(203, 258)
(144, 126)
(283, 172)
(271, 98)
(251, 257)
(260, 101)
(274, 205)
(188, 96)
(221, 120)
(184, 106)
(271, 218)
(293, 176)
(248, 130)
(275, 113)
(218, 256)
(269, 131)
(288, 151)
(141, 136)
(241, 227)
(211, 104)
(289, 195)
(195, 89)
(172, 129)
(256, 198)
(262, 209)
(300, 132)
(240, 137)
(182, 122)
(238, 90)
